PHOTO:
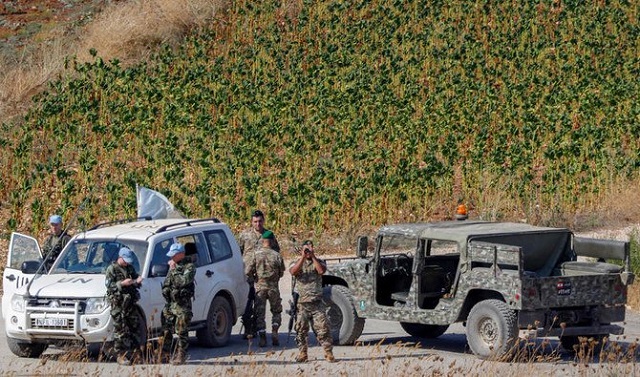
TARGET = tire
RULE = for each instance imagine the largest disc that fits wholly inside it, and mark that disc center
(492, 329)
(569, 343)
(25, 349)
(346, 326)
(217, 330)
(420, 330)
(94, 350)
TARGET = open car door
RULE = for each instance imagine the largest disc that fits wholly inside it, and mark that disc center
(21, 248)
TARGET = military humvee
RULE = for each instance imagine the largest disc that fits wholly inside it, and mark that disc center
(497, 278)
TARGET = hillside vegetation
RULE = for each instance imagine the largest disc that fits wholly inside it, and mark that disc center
(338, 116)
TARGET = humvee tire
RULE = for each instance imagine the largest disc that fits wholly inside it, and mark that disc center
(492, 329)
(346, 326)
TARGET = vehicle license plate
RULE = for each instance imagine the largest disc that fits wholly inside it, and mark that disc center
(564, 288)
(51, 322)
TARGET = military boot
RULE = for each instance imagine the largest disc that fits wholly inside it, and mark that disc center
(302, 356)
(328, 355)
(274, 337)
(263, 338)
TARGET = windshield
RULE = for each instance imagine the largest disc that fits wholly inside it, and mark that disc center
(401, 244)
(398, 244)
(91, 256)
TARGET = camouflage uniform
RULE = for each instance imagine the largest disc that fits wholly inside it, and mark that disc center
(249, 241)
(52, 247)
(266, 266)
(178, 290)
(123, 307)
(311, 308)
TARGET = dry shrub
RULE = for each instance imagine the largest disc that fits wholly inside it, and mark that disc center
(130, 30)
(21, 75)
(126, 30)
(633, 296)
(616, 206)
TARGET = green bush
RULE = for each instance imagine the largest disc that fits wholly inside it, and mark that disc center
(345, 114)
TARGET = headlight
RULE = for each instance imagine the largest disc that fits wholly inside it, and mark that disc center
(96, 305)
(18, 303)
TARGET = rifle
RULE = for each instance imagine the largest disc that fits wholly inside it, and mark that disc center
(249, 316)
(293, 307)
(293, 303)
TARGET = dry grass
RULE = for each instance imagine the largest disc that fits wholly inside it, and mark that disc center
(126, 30)
(131, 30)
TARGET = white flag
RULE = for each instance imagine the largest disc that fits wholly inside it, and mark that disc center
(155, 205)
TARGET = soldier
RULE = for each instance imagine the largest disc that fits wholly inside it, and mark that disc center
(122, 283)
(55, 242)
(265, 267)
(308, 272)
(178, 290)
(249, 241)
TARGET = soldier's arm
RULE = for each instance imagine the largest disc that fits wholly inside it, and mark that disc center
(275, 245)
(319, 265)
(46, 246)
(115, 284)
(250, 265)
(297, 267)
(185, 278)
(241, 243)
(281, 267)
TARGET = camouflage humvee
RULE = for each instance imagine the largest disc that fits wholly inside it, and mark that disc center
(497, 277)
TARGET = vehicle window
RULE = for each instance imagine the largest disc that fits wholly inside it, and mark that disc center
(438, 247)
(24, 248)
(218, 243)
(160, 252)
(202, 253)
(94, 256)
(398, 245)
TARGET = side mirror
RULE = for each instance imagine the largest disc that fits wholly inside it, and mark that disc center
(361, 249)
(159, 270)
(30, 267)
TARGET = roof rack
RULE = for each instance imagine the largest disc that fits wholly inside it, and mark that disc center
(186, 223)
(121, 221)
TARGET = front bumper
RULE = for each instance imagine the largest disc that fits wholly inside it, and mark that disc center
(50, 325)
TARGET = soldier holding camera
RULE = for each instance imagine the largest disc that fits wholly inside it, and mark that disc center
(307, 271)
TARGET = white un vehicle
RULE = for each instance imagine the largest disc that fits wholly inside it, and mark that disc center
(69, 302)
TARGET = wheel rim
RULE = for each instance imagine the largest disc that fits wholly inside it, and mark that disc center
(488, 330)
(219, 322)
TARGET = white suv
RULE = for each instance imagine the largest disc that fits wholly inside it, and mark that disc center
(69, 302)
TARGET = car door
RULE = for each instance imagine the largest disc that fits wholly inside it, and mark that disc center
(151, 298)
(21, 248)
(204, 274)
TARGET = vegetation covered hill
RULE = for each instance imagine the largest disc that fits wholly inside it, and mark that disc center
(335, 116)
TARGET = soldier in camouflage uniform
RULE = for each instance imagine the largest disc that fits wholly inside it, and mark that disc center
(265, 267)
(249, 241)
(55, 242)
(308, 272)
(178, 290)
(122, 283)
